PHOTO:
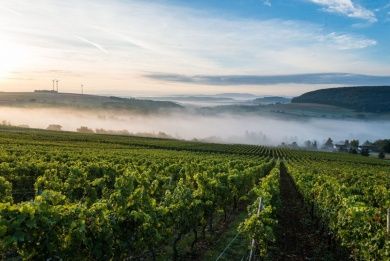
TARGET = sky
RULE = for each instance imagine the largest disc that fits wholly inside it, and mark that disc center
(165, 47)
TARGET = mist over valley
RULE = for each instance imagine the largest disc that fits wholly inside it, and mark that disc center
(228, 118)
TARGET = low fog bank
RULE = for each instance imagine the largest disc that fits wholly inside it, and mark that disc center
(225, 128)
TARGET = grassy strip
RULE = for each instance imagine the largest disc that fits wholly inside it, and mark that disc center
(238, 247)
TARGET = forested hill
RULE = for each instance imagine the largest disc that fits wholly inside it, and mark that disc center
(72, 100)
(374, 99)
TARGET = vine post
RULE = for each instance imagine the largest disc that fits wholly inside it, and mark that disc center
(251, 255)
(388, 221)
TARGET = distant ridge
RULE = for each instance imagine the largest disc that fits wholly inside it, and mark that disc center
(54, 99)
(237, 95)
(375, 99)
(272, 100)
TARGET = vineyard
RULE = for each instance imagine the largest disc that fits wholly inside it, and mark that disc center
(72, 196)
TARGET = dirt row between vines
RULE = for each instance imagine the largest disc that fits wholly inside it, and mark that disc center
(298, 237)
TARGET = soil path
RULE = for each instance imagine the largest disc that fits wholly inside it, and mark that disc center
(298, 238)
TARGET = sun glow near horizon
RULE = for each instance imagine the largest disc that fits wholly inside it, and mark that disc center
(12, 58)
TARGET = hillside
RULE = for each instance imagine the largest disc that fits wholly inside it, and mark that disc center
(362, 99)
(53, 99)
(296, 111)
(271, 100)
(190, 98)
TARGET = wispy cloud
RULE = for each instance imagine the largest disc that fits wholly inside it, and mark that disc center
(267, 3)
(347, 42)
(347, 8)
(314, 78)
(383, 7)
(10, 10)
(97, 46)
